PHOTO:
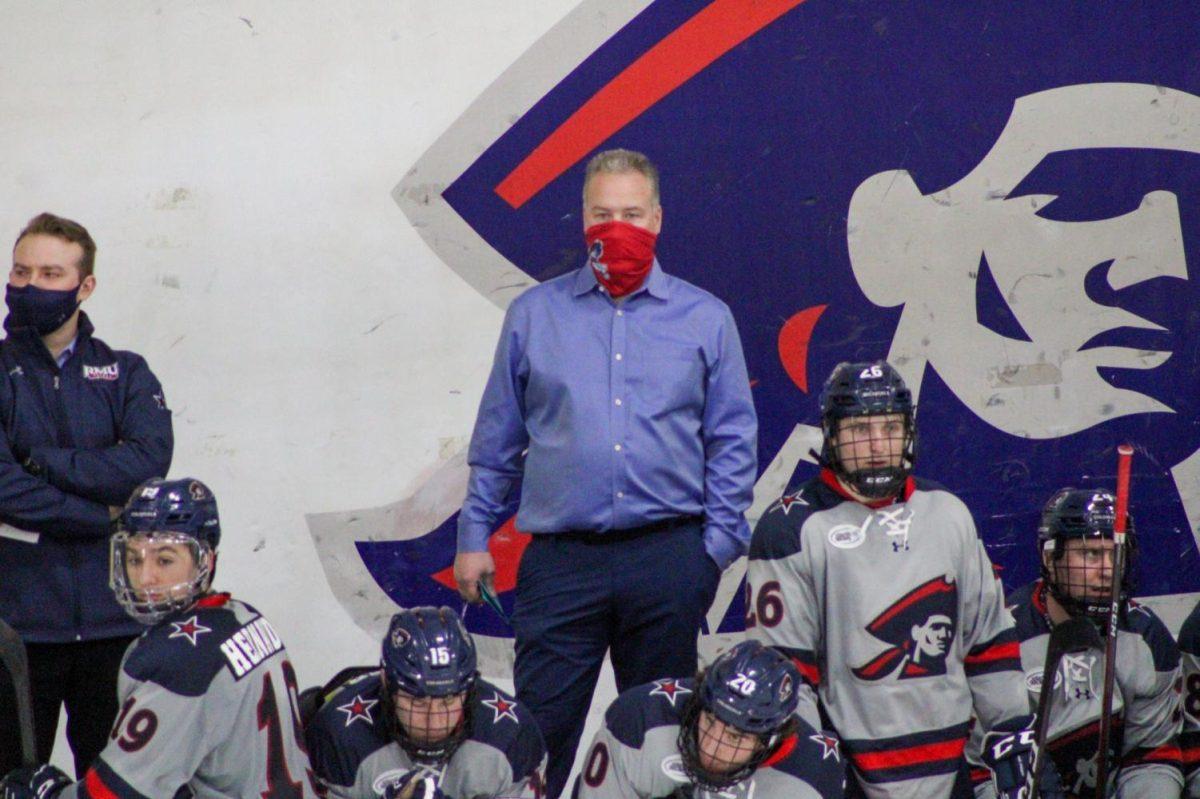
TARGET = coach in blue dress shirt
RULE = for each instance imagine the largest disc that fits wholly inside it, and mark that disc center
(619, 396)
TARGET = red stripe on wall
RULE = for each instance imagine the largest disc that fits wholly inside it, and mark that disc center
(714, 31)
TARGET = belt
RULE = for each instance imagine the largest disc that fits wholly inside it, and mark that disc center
(629, 533)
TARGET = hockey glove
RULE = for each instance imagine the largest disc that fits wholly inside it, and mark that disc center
(34, 782)
(1009, 756)
(416, 784)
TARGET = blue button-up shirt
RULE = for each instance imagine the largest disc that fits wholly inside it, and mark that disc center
(626, 412)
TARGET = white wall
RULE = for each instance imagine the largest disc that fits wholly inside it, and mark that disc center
(234, 163)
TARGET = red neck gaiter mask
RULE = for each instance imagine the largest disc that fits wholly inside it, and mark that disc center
(620, 255)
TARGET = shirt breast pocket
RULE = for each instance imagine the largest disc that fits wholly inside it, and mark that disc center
(673, 379)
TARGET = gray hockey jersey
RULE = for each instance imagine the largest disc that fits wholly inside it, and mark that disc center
(635, 755)
(355, 757)
(1189, 647)
(895, 618)
(208, 709)
(1146, 711)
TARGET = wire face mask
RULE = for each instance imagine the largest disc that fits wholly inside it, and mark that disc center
(159, 573)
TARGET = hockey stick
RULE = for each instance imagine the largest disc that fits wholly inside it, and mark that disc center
(1124, 459)
(12, 655)
(1076, 634)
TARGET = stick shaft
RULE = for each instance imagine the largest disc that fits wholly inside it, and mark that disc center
(1121, 512)
(12, 655)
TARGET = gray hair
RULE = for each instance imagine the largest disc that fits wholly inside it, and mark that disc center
(615, 162)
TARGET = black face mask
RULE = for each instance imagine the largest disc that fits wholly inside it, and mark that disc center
(42, 310)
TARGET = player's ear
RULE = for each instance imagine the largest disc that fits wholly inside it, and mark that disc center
(888, 229)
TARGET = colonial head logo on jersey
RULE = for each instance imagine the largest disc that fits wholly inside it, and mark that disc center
(920, 627)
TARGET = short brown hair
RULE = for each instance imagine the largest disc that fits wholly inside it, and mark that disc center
(47, 224)
(615, 162)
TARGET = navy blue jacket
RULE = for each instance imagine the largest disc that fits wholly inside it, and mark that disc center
(76, 440)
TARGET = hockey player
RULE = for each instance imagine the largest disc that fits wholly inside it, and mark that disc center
(1189, 646)
(732, 732)
(425, 724)
(207, 695)
(878, 587)
(1075, 544)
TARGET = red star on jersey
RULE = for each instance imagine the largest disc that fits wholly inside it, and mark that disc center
(786, 502)
(670, 689)
(830, 745)
(358, 708)
(503, 708)
(190, 629)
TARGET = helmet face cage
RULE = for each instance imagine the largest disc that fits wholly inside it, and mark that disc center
(429, 673)
(412, 722)
(1079, 576)
(868, 392)
(150, 605)
(742, 709)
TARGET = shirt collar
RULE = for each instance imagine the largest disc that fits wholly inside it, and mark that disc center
(657, 284)
(61, 360)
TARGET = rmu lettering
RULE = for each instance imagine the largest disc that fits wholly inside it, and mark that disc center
(249, 646)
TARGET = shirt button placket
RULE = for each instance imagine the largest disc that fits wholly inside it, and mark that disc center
(619, 416)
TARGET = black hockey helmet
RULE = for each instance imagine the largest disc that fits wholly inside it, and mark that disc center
(751, 688)
(859, 390)
(1081, 514)
(428, 654)
(180, 513)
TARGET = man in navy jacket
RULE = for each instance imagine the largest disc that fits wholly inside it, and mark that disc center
(83, 426)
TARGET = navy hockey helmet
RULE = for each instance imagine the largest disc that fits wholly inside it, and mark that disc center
(751, 688)
(863, 390)
(428, 663)
(1082, 583)
(180, 516)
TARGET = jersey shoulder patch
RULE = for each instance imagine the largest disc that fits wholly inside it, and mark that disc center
(812, 756)
(183, 653)
(499, 721)
(346, 730)
(777, 533)
(1143, 621)
(1026, 612)
(646, 707)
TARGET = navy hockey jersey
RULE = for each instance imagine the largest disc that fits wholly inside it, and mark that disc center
(208, 710)
(635, 755)
(355, 757)
(1146, 710)
(895, 618)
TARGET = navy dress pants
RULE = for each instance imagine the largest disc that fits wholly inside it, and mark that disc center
(642, 593)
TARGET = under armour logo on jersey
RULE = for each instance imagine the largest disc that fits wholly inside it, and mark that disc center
(828, 745)
(358, 708)
(786, 502)
(920, 627)
(670, 689)
(190, 629)
(501, 707)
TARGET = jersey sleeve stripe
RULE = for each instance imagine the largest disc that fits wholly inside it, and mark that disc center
(101, 782)
(805, 661)
(782, 752)
(980, 776)
(1190, 750)
(1003, 653)
(1167, 753)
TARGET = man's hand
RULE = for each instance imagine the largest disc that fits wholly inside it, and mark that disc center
(470, 568)
(33, 782)
(1009, 756)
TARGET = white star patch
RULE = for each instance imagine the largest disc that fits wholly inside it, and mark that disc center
(190, 629)
(786, 502)
(358, 708)
(501, 707)
(670, 689)
(829, 745)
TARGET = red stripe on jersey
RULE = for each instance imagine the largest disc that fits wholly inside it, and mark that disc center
(1166, 753)
(979, 775)
(1190, 755)
(783, 751)
(810, 673)
(96, 787)
(1007, 651)
(911, 756)
(213, 600)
